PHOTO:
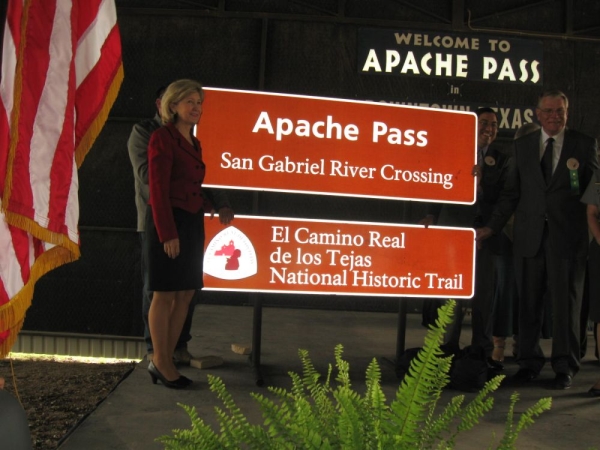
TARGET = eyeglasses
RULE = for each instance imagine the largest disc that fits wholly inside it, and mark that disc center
(485, 123)
(549, 111)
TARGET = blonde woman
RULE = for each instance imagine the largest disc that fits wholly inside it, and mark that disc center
(174, 223)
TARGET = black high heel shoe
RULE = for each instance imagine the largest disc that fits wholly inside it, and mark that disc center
(185, 380)
(594, 392)
(179, 383)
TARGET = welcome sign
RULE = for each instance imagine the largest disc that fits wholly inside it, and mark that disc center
(290, 143)
(270, 254)
(449, 55)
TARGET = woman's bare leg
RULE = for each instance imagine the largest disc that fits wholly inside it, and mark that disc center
(159, 322)
(179, 312)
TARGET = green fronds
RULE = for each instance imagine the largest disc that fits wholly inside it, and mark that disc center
(374, 396)
(277, 417)
(510, 432)
(319, 392)
(318, 413)
(343, 367)
(234, 425)
(456, 419)
(435, 429)
(421, 387)
(199, 436)
(481, 404)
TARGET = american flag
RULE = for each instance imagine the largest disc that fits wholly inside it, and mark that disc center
(61, 73)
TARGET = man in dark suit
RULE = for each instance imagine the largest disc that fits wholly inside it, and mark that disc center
(491, 172)
(552, 166)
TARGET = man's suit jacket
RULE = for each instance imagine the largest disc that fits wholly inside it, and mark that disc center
(137, 146)
(557, 204)
(176, 172)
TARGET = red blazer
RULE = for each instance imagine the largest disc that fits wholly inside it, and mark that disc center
(175, 175)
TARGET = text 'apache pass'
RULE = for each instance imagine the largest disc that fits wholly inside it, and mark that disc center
(329, 129)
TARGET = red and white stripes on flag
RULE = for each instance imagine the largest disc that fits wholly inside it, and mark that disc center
(61, 72)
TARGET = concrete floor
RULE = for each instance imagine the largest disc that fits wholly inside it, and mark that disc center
(137, 412)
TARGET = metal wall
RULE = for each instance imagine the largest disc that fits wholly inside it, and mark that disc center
(300, 47)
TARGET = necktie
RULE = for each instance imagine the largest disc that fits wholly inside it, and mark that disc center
(546, 162)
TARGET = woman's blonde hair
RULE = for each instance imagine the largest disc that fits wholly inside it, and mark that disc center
(177, 91)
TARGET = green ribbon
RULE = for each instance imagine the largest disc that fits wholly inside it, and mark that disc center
(574, 178)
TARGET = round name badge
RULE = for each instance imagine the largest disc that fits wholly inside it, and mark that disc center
(489, 160)
(572, 164)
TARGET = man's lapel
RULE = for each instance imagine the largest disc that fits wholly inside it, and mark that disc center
(531, 157)
(567, 151)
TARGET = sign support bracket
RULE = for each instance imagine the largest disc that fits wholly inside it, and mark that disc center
(401, 332)
(400, 337)
(256, 300)
(256, 338)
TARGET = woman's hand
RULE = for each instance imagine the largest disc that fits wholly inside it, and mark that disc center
(429, 219)
(172, 248)
(225, 215)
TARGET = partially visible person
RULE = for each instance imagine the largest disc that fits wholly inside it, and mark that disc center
(591, 197)
(491, 172)
(505, 295)
(14, 427)
(174, 224)
(585, 305)
(550, 236)
(137, 146)
(429, 311)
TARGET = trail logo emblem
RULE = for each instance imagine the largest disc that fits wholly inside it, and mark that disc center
(230, 255)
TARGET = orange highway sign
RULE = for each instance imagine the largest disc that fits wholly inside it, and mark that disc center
(292, 143)
(272, 254)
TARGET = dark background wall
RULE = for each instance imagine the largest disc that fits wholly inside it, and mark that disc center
(299, 47)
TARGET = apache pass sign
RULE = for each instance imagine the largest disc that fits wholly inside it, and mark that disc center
(288, 143)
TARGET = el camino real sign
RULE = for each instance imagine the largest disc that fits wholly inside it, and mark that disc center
(447, 55)
(275, 254)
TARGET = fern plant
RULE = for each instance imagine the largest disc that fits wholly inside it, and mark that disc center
(318, 413)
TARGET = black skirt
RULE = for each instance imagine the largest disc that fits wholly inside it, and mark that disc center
(185, 271)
